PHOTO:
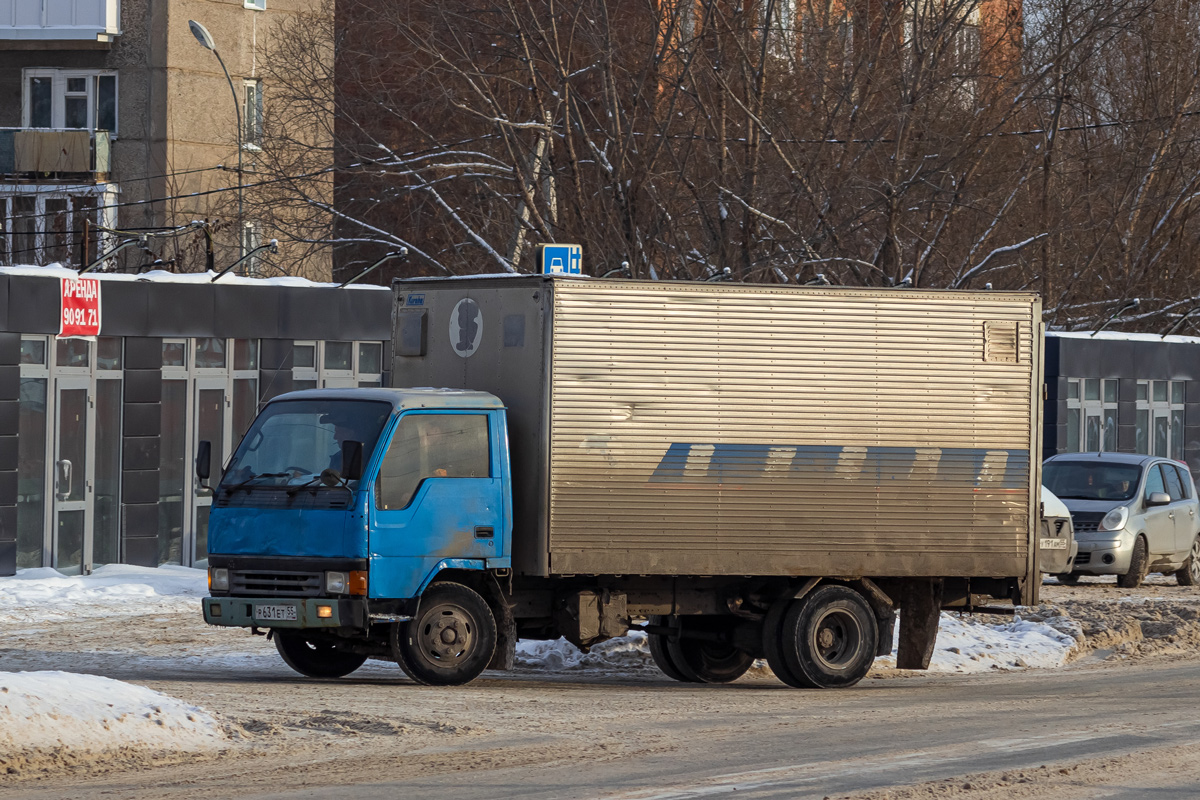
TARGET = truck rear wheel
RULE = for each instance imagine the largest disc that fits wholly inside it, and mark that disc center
(705, 661)
(314, 658)
(451, 640)
(827, 640)
(662, 656)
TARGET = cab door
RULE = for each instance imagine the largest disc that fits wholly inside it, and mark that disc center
(438, 495)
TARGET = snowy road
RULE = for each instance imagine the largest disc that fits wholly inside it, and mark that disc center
(1110, 724)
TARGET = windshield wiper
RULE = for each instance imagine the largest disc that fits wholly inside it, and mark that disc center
(294, 490)
(246, 483)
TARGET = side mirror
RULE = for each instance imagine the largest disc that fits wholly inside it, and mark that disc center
(1158, 499)
(203, 460)
(352, 458)
(64, 480)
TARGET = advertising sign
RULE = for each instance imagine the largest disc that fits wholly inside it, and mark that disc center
(80, 315)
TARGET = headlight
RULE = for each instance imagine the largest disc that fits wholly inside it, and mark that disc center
(218, 579)
(335, 582)
(1115, 520)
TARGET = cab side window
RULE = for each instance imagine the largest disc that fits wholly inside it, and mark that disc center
(1174, 487)
(1154, 481)
(431, 446)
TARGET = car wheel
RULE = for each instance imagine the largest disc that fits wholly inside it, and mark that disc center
(315, 658)
(1068, 578)
(1139, 564)
(1189, 573)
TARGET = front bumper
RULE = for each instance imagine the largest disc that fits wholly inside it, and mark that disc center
(1104, 557)
(239, 612)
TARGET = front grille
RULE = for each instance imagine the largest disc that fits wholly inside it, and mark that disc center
(326, 499)
(1058, 525)
(1087, 520)
(1083, 558)
(266, 583)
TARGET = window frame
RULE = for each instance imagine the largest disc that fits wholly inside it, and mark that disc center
(1099, 408)
(252, 124)
(1148, 410)
(377, 483)
(58, 97)
(255, 5)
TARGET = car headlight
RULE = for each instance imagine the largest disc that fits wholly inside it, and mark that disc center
(1115, 520)
(218, 579)
(335, 582)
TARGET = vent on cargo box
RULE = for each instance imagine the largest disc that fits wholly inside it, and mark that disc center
(411, 332)
(1000, 340)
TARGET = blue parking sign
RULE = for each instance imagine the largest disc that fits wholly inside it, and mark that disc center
(562, 259)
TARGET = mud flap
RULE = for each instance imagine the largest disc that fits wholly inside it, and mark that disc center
(920, 609)
(505, 656)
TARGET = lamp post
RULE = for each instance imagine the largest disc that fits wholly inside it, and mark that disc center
(205, 39)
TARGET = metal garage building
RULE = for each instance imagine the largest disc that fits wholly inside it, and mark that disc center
(97, 435)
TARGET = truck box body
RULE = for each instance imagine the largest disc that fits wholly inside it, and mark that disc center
(734, 429)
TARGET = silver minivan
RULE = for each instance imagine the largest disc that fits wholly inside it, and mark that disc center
(1133, 514)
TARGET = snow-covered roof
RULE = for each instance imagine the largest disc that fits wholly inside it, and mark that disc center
(1118, 336)
(162, 276)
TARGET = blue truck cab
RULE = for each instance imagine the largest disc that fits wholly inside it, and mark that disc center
(340, 508)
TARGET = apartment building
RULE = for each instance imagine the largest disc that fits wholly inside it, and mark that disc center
(113, 116)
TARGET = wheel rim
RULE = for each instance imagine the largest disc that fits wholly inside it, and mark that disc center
(836, 639)
(446, 635)
(1194, 566)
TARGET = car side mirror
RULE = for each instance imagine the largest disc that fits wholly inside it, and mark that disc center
(1158, 499)
(203, 460)
(352, 458)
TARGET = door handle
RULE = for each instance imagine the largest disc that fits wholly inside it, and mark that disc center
(484, 532)
(64, 480)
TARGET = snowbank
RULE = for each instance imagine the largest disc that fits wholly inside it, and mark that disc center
(47, 710)
(970, 644)
(162, 276)
(964, 644)
(113, 590)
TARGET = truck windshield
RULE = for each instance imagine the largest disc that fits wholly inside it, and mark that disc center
(1091, 480)
(292, 441)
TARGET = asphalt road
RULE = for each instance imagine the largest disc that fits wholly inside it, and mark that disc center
(636, 737)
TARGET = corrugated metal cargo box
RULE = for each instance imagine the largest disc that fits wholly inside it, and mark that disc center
(709, 429)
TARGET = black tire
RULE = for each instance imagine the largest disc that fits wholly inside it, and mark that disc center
(1189, 573)
(829, 638)
(1139, 564)
(703, 661)
(773, 643)
(315, 658)
(452, 639)
(1068, 578)
(662, 656)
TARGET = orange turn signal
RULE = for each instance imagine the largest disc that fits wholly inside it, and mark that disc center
(358, 582)
(324, 612)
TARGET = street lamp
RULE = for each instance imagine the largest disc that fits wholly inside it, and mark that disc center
(205, 39)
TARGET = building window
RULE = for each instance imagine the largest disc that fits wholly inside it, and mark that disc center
(56, 98)
(337, 365)
(251, 238)
(1160, 418)
(252, 114)
(1091, 415)
(257, 5)
(48, 228)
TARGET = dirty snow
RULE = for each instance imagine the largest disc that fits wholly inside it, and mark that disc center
(46, 710)
(42, 594)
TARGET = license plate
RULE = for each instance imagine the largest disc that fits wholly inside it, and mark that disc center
(1054, 544)
(275, 612)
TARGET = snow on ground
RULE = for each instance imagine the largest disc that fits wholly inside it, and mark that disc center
(46, 710)
(36, 595)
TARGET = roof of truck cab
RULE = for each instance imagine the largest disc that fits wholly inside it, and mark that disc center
(402, 399)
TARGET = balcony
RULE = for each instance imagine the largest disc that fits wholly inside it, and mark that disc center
(38, 154)
(59, 23)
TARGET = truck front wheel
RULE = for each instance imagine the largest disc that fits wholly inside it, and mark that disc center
(451, 640)
(314, 658)
(826, 640)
